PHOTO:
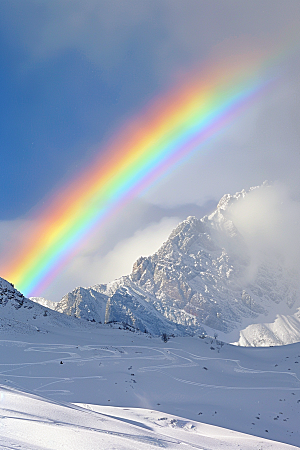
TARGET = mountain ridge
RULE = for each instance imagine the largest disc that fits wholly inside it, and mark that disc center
(202, 278)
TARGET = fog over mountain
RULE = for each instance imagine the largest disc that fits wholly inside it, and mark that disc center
(233, 272)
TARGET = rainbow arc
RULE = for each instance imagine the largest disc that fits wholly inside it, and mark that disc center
(167, 132)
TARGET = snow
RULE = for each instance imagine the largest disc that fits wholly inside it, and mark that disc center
(285, 329)
(96, 386)
(35, 423)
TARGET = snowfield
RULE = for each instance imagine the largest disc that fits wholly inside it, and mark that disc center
(97, 386)
(35, 423)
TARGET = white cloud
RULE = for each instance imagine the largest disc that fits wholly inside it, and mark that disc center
(269, 219)
(176, 34)
(144, 242)
(91, 267)
(98, 29)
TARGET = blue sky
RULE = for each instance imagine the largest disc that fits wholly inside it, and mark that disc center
(73, 71)
(58, 106)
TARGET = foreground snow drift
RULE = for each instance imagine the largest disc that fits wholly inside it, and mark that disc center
(30, 422)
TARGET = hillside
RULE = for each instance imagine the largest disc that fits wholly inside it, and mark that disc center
(69, 382)
(131, 389)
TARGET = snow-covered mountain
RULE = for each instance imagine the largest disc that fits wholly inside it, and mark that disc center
(204, 278)
(66, 382)
(285, 329)
(19, 314)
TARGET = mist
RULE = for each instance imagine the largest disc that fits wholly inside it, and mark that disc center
(91, 266)
(268, 220)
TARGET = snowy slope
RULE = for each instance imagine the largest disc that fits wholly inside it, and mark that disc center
(22, 315)
(30, 422)
(285, 329)
(135, 391)
(202, 278)
(44, 302)
(124, 304)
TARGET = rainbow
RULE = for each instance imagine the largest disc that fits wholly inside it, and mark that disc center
(167, 132)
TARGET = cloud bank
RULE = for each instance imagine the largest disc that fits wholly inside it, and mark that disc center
(90, 266)
(268, 219)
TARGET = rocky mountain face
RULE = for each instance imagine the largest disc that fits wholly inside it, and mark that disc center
(201, 279)
(22, 315)
(124, 304)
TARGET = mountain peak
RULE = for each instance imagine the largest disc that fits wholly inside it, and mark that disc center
(202, 278)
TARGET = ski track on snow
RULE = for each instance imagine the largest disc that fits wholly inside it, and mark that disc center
(70, 354)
